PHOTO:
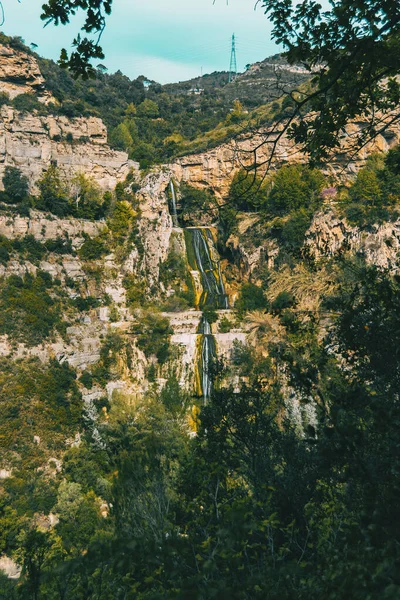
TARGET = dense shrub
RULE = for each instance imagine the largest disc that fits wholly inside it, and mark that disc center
(295, 187)
(153, 333)
(53, 193)
(37, 399)
(290, 232)
(5, 249)
(247, 192)
(135, 291)
(120, 221)
(87, 200)
(16, 188)
(93, 248)
(197, 206)
(59, 245)
(28, 103)
(29, 248)
(251, 297)
(106, 369)
(83, 304)
(375, 193)
(28, 311)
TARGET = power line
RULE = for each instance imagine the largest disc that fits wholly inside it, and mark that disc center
(233, 64)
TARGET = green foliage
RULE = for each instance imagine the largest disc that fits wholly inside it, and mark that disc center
(5, 249)
(225, 325)
(79, 516)
(16, 189)
(147, 108)
(53, 193)
(121, 220)
(135, 291)
(41, 400)
(227, 221)
(247, 192)
(173, 267)
(374, 195)
(93, 248)
(27, 103)
(358, 45)
(251, 298)
(247, 507)
(87, 200)
(194, 205)
(283, 300)
(153, 332)
(294, 187)
(59, 246)
(29, 248)
(120, 137)
(174, 398)
(85, 303)
(29, 308)
(290, 232)
(210, 315)
(366, 188)
(107, 367)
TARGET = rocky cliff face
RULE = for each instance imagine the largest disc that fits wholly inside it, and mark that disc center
(43, 226)
(31, 143)
(331, 235)
(20, 74)
(216, 168)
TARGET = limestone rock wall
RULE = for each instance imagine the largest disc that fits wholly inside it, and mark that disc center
(20, 74)
(32, 143)
(216, 168)
(330, 235)
(156, 222)
(44, 226)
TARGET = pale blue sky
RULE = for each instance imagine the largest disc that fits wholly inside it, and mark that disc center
(166, 40)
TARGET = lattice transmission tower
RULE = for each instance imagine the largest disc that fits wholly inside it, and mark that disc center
(233, 64)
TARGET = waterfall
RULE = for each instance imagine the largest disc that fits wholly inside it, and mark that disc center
(209, 288)
(208, 355)
(202, 256)
(174, 213)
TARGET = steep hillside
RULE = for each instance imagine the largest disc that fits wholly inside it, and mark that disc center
(153, 123)
(199, 368)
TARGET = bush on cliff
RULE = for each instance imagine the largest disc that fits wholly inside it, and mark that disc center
(375, 193)
(16, 188)
(29, 311)
(294, 187)
(53, 193)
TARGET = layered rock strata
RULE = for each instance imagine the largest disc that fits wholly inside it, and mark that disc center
(32, 143)
(20, 74)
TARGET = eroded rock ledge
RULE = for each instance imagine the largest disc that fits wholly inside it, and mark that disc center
(32, 142)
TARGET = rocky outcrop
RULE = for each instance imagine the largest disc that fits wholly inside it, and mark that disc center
(20, 74)
(216, 168)
(156, 222)
(32, 143)
(9, 567)
(330, 235)
(44, 226)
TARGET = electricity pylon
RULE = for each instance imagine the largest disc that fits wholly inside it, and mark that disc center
(233, 65)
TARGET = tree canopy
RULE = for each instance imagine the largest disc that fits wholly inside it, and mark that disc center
(351, 52)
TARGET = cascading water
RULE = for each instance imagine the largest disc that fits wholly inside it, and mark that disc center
(208, 355)
(202, 258)
(210, 291)
(174, 213)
